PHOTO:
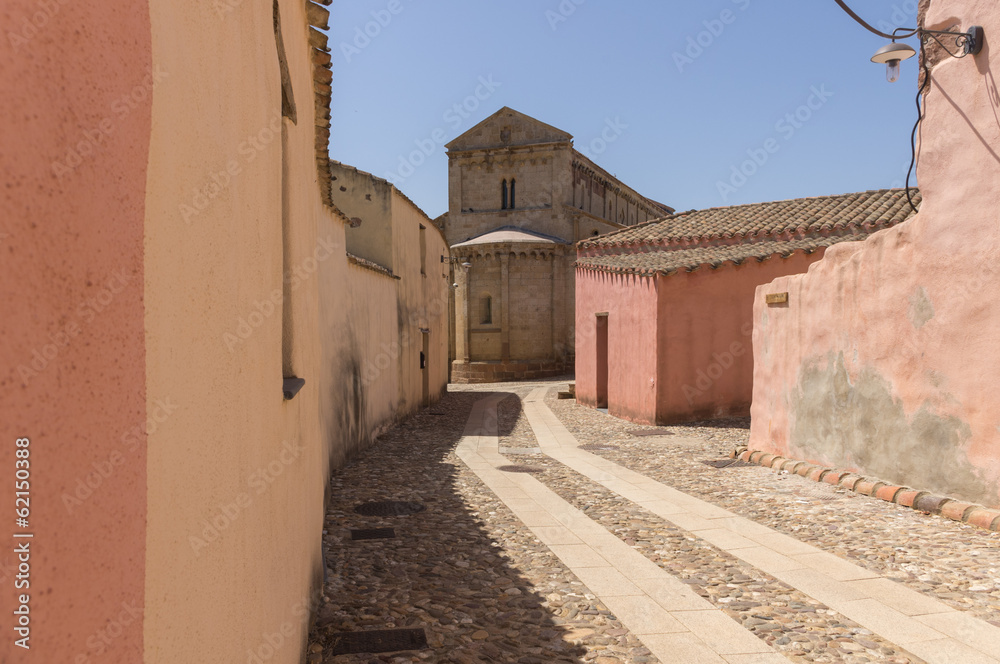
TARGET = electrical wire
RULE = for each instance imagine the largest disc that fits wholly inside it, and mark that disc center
(850, 12)
(916, 125)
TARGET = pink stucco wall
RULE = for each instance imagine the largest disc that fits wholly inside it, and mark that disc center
(679, 346)
(630, 302)
(885, 360)
(704, 335)
(73, 153)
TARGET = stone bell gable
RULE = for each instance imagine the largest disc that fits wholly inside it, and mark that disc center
(508, 128)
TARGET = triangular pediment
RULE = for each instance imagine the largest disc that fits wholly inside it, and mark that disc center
(507, 128)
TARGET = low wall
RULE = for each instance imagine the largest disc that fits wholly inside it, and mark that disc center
(499, 372)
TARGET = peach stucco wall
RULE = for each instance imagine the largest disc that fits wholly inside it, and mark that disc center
(885, 360)
(704, 337)
(423, 303)
(630, 302)
(370, 322)
(73, 150)
(236, 475)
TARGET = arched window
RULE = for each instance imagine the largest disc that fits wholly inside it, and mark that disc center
(503, 195)
(513, 183)
(487, 317)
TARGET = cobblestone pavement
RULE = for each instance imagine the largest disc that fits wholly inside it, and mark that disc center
(484, 588)
(954, 562)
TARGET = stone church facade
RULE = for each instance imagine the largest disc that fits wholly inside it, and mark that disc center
(519, 198)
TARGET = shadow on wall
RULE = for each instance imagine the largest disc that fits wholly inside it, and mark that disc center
(861, 422)
(442, 571)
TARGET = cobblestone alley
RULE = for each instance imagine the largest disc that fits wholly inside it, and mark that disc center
(530, 529)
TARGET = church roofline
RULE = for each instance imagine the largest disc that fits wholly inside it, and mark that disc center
(567, 135)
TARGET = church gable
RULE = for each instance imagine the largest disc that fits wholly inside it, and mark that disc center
(507, 128)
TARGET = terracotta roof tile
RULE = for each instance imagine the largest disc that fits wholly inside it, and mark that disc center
(880, 208)
(733, 234)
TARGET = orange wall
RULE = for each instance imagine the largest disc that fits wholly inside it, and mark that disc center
(631, 305)
(76, 107)
(704, 336)
(885, 360)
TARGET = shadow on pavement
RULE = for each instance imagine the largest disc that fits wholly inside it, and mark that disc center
(446, 570)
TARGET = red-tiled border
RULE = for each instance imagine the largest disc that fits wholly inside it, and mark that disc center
(970, 513)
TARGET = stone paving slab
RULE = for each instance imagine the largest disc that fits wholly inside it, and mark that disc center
(632, 604)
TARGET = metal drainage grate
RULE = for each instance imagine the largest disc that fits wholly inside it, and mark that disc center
(373, 533)
(651, 432)
(521, 469)
(598, 448)
(520, 450)
(378, 640)
(727, 463)
(389, 508)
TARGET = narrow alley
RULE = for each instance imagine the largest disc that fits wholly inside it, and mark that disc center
(506, 525)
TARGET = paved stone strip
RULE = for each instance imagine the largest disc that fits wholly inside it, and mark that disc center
(672, 621)
(795, 624)
(953, 562)
(922, 625)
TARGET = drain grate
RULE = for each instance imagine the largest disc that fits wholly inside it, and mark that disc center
(727, 463)
(378, 640)
(520, 450)
(651, 432)
(598, 448)
(389, 508)
(521, 469)
(373, 533)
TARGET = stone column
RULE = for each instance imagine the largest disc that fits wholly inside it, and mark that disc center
(505, 307)
(461, 313)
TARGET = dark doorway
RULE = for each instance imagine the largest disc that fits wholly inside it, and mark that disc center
(424, 368)
(602, 360)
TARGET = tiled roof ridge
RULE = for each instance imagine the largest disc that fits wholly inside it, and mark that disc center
(706, 241)
(371, 265)
(318, 18)
(714, 265)
(865, 200)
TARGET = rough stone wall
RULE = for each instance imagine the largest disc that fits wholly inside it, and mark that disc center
(484, 281)
(884, 360)
(532, 304)
(478, 178)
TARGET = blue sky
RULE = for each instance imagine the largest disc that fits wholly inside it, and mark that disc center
(689, 93)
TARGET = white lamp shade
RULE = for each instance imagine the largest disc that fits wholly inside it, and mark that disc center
(893, 51)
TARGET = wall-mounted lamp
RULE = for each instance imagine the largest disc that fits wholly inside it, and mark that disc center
(466, 265)
(891, 55)
(970, 43)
